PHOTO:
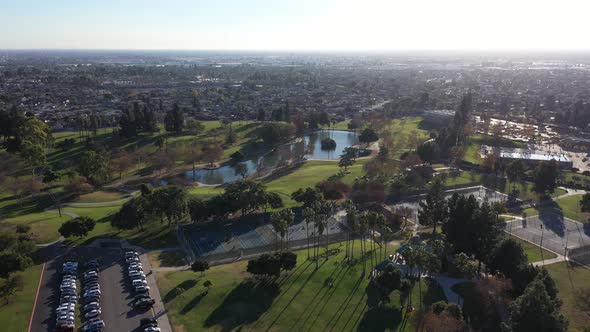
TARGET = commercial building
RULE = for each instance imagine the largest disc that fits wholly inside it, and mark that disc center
(529, 157)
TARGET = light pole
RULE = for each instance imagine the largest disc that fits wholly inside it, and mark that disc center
(541, 244)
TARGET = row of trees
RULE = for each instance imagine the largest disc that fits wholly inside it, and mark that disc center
(472, 231)
(16, 254)
(168, 204)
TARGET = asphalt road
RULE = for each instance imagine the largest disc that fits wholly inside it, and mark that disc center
(117, 296)
(44, 317)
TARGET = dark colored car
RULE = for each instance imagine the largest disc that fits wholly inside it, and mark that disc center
(148, 322)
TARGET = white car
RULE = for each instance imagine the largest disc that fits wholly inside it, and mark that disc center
(136, 274)
(92, 292)
(91, 306)
(138, 282)
(93, 325)
(92, 313)
(152, 329)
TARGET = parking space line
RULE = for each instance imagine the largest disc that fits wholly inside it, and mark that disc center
(36, 298)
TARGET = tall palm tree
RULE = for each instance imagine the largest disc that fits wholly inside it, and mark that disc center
(309, 217)
(276, 225)
(362, 227)
(320, 225)
(351, 221)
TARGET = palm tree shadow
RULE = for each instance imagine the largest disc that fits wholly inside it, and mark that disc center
(380, 319)
(245, 304)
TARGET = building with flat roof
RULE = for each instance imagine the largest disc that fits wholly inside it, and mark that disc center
(529, 157)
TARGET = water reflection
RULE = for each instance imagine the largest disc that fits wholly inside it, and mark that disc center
(308, 147)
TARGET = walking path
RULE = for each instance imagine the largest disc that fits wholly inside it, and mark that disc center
(446, 283)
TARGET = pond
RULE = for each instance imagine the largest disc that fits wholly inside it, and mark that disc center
(309, 147)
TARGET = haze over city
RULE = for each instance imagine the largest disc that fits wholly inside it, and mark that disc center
(328, 25)
(311, 165)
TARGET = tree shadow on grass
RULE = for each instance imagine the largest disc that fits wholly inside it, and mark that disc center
(179, 289)
(245, 304)
(189, 306)
(380, 319)
(171, 258)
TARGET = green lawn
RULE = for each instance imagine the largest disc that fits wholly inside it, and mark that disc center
(155, 234)
(499, 184)
(569, 279)
(309, 175)
(100, 197)
(300, 300)
(16, 314)
(44, 225)
(533, 252)
(473, 144)
(568, 207)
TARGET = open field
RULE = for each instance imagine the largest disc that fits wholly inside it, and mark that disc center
(44, 225)
(499, 184)
(534, 252)
(568, 206)
(300, 300)
(16, 314)
(307, 175)
(569, 279)
(100, 197)
(473, 144)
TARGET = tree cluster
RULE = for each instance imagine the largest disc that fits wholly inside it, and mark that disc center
(79, 227)
(271, 265)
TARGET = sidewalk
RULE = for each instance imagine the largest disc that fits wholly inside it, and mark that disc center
(158, 309)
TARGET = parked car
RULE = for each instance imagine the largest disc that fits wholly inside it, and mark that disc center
(138, 282)
(89, 326)
(152, 329)
(91, 306)
(141, 289)
(144, 303)
(145, 321)
(92, 313)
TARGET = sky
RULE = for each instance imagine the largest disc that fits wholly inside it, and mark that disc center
(291, 25)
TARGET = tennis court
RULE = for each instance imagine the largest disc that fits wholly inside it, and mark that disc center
(555, 232)
(237, 237)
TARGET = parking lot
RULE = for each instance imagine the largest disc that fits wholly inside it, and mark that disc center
(116, 296)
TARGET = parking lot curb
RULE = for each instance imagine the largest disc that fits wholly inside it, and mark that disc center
(36, 297)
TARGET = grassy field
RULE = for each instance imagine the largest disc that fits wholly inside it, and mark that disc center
(533, 252)
(499, 184)
(100, 197)
(16, 314)
(567, 206)
(569, 279)
(300, 300)
(473, 144)
(307, 175)
(405, 132)
(44, 225)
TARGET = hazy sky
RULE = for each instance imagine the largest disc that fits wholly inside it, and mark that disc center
(357, 25)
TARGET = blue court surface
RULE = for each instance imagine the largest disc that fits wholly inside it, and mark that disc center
(234, 237)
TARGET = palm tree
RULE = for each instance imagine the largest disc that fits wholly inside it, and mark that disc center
(277, 227)
(351, 221)
(280, 222)
(362, 227)
(320, 225)
(309, 217)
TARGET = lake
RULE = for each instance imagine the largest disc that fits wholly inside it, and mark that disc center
(308, 147)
